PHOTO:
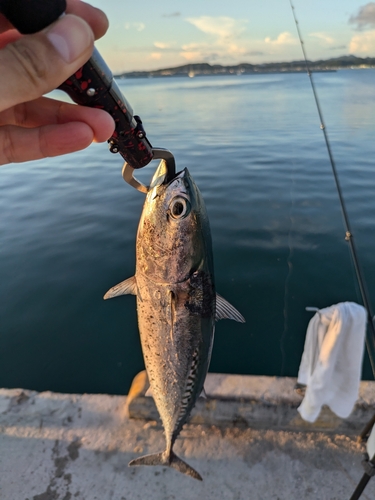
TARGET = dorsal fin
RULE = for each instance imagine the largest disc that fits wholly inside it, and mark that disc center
(224, 310)
(128, 286)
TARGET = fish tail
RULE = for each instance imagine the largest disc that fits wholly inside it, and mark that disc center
(183, 467)
(171, 461)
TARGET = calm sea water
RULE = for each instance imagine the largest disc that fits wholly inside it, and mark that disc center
(254, 146)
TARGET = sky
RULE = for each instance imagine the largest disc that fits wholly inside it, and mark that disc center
(149, 34)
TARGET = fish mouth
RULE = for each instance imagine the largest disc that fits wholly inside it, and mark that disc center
(165, 173)
(162, 180)
(183, 174)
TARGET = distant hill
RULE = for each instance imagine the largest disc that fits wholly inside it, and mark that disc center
(201, 69)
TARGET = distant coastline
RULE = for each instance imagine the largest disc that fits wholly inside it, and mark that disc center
(205, 69)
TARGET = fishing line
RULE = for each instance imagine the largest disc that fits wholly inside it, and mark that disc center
(370, 339)
(290, 271)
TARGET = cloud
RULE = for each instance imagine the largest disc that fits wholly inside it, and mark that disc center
(172, 14)
(365, 17)
(224, 30)
(204, 51)
(232, 49)
(155, 55)
(192, 51)
(191, 55)
(236, 50)
(136, 26)
(339, 47)
(322, 36)
(221, 27)
(162, 45)
(284, 38)
(191, 46)
(363, 44)
(254, 53)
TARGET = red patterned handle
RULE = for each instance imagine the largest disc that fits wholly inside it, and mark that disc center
(93, 85)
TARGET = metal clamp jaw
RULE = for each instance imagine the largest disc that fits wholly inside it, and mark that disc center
(158, 154)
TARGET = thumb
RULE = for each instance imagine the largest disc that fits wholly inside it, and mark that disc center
(36, 64)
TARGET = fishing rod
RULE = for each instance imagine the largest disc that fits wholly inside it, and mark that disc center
(369, 461)
(370, 340)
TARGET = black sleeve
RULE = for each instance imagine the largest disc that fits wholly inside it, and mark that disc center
(30, 16)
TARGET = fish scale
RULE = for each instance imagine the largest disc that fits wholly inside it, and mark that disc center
(177, 304)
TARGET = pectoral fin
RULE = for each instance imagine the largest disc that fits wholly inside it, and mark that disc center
(224, 310)
(128, 286)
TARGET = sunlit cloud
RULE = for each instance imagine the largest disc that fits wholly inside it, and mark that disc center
(193, 51)
(322, 36)
(225, 33)
(191, 55)
(227, 39)
(236, 50)
(221, 27)
(135, 26)
(155, 56)
(284, 38)
(162, 45)
(232, 50)
(365, 17)
(202, 52)
(363, 44)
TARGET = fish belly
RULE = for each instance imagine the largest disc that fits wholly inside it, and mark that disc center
(176, 343)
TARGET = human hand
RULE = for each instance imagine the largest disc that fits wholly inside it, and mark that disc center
(32, 126)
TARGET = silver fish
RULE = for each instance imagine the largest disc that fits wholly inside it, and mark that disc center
(176, 303)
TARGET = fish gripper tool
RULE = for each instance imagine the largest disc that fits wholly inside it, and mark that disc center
(169, 170)
(93, 85)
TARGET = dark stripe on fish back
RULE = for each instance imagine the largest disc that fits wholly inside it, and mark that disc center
(172, 306)
(189, 389)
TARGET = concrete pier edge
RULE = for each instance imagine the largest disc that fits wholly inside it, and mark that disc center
(246, 440)
(258, 402)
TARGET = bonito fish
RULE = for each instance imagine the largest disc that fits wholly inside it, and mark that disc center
(176, 303)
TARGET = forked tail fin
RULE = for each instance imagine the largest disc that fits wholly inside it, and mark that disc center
(172, 461)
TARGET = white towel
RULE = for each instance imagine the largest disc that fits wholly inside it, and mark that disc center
(331, 363)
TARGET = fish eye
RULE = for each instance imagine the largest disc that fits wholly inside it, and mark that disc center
(179, 207)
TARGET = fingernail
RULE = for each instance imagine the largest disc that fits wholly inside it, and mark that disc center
(70, 36)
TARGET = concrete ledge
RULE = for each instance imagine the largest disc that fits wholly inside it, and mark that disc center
(77, 447)
(257, 402)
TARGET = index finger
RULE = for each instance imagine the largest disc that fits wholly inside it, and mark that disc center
(4, 24)
(94, 17)
(9, 36)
